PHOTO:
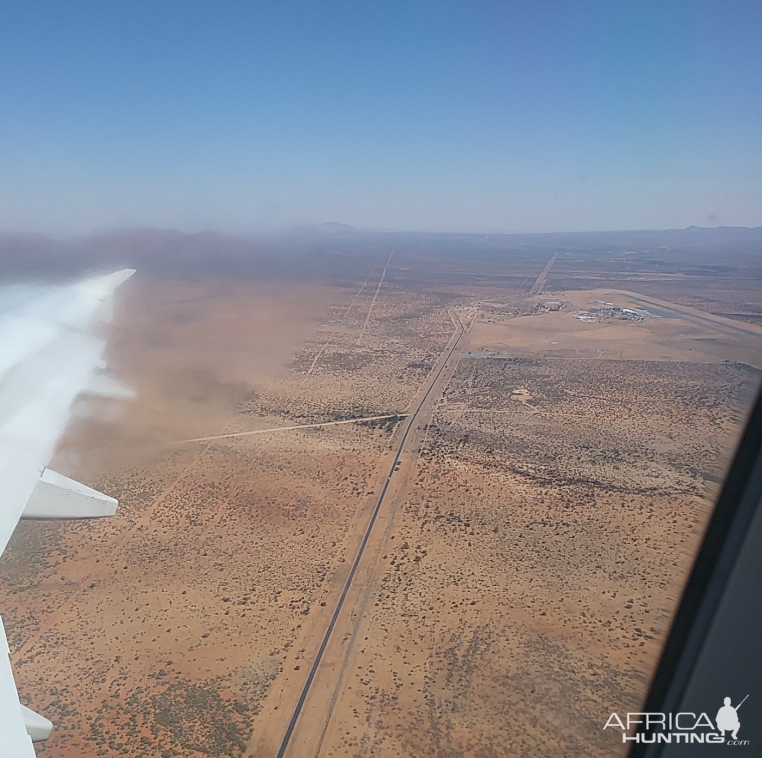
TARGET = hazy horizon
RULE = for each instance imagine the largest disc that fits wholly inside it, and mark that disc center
(332, 227)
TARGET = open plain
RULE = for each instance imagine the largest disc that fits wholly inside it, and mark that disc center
(486, 569)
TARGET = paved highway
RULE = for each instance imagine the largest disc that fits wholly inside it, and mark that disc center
(410, 426)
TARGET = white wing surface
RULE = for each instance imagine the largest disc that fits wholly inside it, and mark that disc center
(50, 352)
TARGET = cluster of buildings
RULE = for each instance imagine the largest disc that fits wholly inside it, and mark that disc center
(603, 310)
(551, 305)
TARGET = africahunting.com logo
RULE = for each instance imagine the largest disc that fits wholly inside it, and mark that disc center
(681, 728)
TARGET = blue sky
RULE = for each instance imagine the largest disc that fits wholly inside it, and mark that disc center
(475, 116)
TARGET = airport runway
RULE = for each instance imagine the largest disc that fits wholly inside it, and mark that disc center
(721, 324)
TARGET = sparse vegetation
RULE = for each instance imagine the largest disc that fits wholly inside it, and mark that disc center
(526, 580)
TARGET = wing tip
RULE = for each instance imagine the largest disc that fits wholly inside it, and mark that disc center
(103, 286)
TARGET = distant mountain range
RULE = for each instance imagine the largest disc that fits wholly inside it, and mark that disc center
(325, 227)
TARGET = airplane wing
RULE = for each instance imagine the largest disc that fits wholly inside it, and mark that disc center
(50, 352)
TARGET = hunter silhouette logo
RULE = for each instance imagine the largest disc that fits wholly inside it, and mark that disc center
(727, 718)
(684, 728)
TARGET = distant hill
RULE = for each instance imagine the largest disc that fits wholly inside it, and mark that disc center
(325, 227)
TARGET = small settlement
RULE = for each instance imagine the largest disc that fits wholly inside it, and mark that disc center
(603, 311)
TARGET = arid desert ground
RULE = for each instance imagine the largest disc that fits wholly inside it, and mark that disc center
(485, 566)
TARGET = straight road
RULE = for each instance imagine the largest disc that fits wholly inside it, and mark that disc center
(375, 297)
(312, 700)
(539, 284)
(274, 429)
